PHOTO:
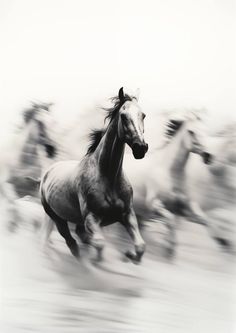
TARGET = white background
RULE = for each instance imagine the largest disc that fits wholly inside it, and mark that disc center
(180, 53)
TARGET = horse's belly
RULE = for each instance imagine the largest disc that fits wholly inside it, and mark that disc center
(65, 209)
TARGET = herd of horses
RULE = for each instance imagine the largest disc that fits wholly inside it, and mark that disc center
(108, 185)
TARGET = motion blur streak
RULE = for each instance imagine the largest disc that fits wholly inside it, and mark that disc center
(47, 290)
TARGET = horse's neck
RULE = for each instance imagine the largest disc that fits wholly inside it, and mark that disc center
(111, 153)
(176, 155)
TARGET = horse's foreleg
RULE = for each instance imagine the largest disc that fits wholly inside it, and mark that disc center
(198, 216)
(95, 238)
(131, 225)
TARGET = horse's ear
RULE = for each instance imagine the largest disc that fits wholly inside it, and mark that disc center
(121, 94)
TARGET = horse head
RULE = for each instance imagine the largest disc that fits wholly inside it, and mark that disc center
(40, 116)
(196, 139)
(190, 128)
(131, 124)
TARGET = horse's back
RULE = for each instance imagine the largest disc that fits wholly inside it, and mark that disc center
(58, 175)
(58, 189)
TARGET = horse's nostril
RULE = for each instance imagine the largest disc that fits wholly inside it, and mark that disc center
(139, 150)
(207, 157)
(51, 150)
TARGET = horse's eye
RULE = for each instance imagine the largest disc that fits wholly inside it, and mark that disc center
(143, 115)
(124, 107)
(191, 132)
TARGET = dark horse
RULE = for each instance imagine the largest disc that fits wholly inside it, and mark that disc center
(95, 192)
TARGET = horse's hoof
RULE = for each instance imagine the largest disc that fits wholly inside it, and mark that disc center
(169, 252)
(224, 243)
(75, 251)
(133, 257)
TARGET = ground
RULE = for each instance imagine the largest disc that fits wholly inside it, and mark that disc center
(49, 291)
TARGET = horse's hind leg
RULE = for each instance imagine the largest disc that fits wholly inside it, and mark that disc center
(198, 216)
(63, 229)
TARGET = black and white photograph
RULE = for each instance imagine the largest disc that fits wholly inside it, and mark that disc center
(118, 166)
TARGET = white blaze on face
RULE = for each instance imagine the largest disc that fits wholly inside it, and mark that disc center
(199, 130)
(136, 116)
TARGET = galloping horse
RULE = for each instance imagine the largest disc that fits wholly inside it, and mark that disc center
(214, 187)
(159, 182)
(95, 192)
(21, 163)
(24, 161)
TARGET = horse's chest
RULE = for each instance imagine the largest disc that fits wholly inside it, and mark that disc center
(107, 204)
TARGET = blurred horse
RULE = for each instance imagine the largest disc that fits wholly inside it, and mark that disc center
(214, 187)
(95, 192)
(159, 181)
(21, 163)
(35, 135)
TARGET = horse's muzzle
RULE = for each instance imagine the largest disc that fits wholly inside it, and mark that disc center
(139, 150)
(207, 158)
(50, 150)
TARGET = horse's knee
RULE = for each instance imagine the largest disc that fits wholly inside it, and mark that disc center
(98, 241)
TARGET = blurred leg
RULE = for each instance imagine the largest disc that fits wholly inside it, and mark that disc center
(170, 221)
(46, 230)
(94, 232)
(198, 216)
(8, 192)
(131, 225)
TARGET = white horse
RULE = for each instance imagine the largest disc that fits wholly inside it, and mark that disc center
(159, 181)
(214, 187)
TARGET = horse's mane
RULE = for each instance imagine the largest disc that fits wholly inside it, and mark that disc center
(172, 127)
(112, 111)
(96, 135)
(176, 118)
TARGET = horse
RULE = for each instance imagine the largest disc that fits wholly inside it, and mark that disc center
(214, 187)
(23, 159)
(159, 181)
(94, 192)
(21, 163)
